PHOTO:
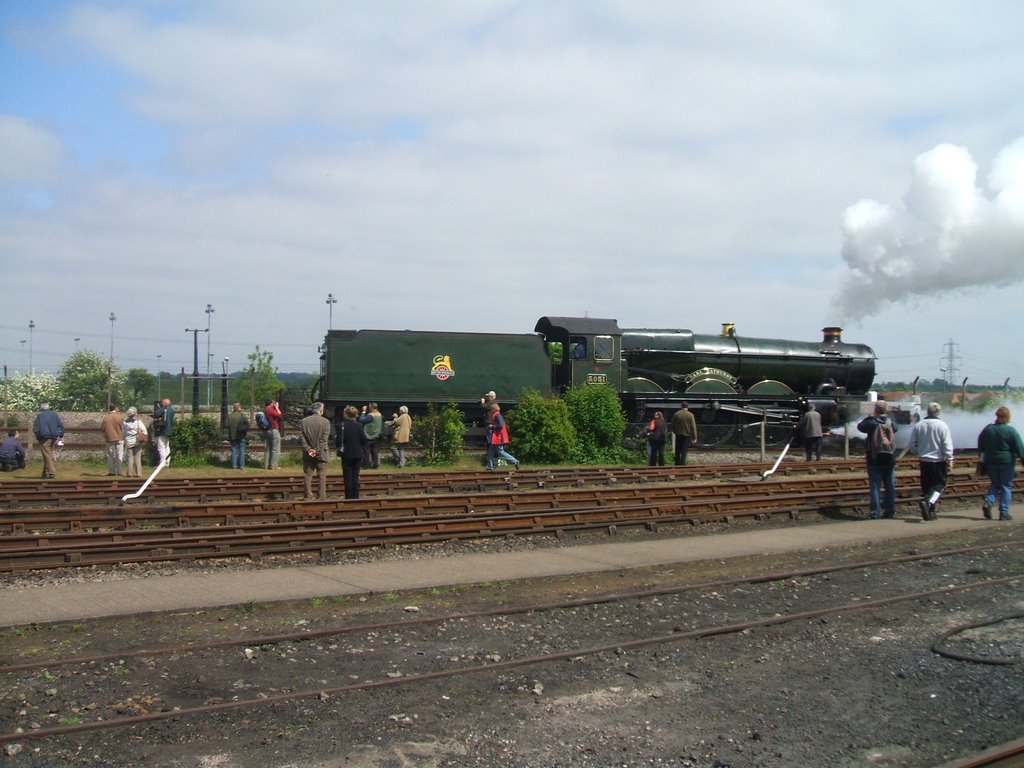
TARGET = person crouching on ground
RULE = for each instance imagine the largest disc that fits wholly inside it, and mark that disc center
(12, 452)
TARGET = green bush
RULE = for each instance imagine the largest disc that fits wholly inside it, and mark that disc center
(441, 432)
(194, 436)
(596, 415)
(540, 430)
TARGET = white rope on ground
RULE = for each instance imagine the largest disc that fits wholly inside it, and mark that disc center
(777, 462)
(145, 485)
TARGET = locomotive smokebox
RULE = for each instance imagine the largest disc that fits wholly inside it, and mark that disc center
(832, 335)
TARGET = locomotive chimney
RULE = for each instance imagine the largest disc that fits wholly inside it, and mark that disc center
(832, 335)
(729, 329)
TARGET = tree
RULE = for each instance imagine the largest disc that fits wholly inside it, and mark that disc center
(82, 382)
(140, 384)
(25, 391)
(259, 380)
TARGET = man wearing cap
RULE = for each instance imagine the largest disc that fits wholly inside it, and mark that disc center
(932, 442)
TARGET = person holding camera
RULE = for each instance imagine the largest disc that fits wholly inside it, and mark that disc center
(373, 425)
(316, 431)
(272, 437)
(402, 424)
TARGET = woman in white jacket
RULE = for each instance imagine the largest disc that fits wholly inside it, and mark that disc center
(135, 436)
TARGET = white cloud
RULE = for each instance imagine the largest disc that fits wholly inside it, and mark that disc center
(666, 164)
(30, 155)
(947, 236)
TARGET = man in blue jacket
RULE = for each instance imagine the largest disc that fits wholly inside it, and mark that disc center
(12, 453)
(49, 430)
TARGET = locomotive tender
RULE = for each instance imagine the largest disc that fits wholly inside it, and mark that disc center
(732, 383)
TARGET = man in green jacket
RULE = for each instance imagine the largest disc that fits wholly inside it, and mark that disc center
(373, 425)
(238, 432)
(1000, 446)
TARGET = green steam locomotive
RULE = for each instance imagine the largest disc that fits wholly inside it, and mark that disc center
(732, 383)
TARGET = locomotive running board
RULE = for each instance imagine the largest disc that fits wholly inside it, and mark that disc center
(145, 485)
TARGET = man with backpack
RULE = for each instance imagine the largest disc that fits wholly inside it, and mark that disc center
(881, 460)
(163, 426)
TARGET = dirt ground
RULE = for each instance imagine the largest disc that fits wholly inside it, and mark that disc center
(862, 688)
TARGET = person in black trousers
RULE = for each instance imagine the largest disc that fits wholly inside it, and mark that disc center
(352, 444)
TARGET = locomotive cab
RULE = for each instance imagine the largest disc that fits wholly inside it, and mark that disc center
(583, 350)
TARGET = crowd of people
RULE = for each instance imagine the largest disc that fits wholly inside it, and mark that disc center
(999, 449)
(357, 435)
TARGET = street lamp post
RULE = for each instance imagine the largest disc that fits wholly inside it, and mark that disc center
(195, 366)
(31, 337)
(331, 301)
(224, 394)
(159, 364)
(209, 311)
(110, 363)
(77, 339)
(113, 317)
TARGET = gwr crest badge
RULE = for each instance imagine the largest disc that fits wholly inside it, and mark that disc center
(442, 369)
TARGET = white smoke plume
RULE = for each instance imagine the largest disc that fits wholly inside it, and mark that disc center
(947, 235)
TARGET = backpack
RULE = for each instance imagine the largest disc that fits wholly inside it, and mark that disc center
(262, 421)
(883, 443)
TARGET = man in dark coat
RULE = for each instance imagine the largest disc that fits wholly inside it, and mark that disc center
(353, 448)
(684, 427)
(12, 452)
(49, 431)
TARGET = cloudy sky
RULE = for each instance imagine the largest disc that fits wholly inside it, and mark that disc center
(476, 164)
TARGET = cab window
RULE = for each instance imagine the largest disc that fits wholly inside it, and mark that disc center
(604, 349)
(579, 348)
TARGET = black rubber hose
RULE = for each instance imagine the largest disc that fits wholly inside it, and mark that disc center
(937, 645)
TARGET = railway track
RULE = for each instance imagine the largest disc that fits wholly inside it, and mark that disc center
(108, 491)
(88, 536)
(169, 697)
